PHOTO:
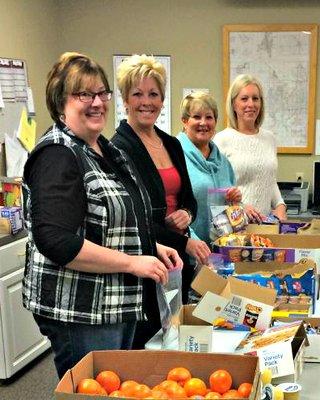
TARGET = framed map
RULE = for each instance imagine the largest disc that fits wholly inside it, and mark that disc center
(284, 59)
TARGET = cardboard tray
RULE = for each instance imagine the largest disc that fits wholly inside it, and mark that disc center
(287, 248)
(151, 367)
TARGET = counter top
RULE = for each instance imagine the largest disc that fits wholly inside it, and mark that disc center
(6, 239)
(305, 216)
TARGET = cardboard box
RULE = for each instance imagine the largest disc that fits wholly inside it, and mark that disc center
(294, 282)
(285, 227)
(279, 348)
(198, 336)
(235, 300)
(151, 367)
(263, 229)
(287, 248)
(312, 352)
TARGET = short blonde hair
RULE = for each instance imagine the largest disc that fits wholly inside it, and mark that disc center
(67, 76)
(202, 100)
(239, 83)
(137, 67)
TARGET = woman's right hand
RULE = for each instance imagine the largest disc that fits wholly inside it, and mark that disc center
(148, 267)
(253, 214)
(199, 250)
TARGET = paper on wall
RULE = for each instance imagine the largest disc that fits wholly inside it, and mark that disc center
(16, 156)
(27, 131)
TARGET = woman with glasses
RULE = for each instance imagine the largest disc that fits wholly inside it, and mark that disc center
(92, 260)
(161, 164)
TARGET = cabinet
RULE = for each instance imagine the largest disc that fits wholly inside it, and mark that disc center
(20, 338)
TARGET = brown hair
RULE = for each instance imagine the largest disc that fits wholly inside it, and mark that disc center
(67, 77)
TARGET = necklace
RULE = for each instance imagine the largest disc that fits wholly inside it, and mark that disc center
(150, 143)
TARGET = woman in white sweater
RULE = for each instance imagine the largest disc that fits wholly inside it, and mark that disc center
(251, 150)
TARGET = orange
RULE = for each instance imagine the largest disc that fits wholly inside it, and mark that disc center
(231, 394)
(90, 386)
(116, 393)
(158, 394)
(195, 386)
(128, 387)
(213, 395)
(176, 392)
(141, 391)
(109, 380)
(220, 381)
(164, 385)
(245, 389)
(179, 374)
(196, 396)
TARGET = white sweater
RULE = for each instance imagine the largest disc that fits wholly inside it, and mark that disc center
(254, 161)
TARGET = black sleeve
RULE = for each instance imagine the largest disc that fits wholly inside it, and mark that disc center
(58, 203)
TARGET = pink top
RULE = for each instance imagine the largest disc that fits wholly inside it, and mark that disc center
(172, 184)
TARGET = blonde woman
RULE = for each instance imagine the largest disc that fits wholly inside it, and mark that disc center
(159, 159)
(251, 149)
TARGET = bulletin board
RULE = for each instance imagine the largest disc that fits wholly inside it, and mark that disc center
(284, 59)
(14, 94)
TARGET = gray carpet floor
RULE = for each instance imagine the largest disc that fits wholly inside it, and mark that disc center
(36, 381)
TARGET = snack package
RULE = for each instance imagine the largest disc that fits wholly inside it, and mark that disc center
(224, 218)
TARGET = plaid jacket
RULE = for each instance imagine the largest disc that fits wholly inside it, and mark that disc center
(59, 293)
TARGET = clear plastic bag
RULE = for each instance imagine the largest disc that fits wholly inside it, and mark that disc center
(224, 218)
(169, 302)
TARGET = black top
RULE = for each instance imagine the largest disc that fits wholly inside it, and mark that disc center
(127, 140)
(58, 199)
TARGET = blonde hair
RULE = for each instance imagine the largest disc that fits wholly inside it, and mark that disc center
(202, 100)
(137, 67)
(239, 83)
(67, 76)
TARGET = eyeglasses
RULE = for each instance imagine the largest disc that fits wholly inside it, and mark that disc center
(87, 97)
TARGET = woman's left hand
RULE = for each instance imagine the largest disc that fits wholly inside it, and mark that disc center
(233, 195)
(179, 220)
(169, 256)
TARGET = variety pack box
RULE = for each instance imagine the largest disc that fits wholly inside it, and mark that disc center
(279, 348)
(151, 367)
(198, 336)
(295, 283)
(232, 299)
(287, 248)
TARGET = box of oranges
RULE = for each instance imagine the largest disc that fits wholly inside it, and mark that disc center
(161, 375)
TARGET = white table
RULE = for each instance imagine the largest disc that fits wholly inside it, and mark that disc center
(310, 382)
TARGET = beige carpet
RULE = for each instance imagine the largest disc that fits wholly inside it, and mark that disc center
(36, 381)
